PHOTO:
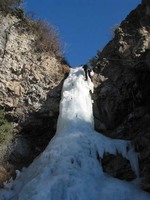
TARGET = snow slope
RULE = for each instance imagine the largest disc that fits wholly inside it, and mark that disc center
(68, 169)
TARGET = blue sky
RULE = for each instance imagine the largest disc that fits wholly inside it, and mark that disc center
(84, 26)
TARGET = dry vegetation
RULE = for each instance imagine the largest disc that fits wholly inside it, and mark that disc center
(47, 39)
(6, 128)
(114, 29)
(8, 5)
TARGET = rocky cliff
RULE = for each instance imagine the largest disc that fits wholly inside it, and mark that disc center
(30, 90)
(122, 91)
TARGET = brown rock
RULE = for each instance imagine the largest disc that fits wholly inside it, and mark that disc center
(4, 176)
(122, 100)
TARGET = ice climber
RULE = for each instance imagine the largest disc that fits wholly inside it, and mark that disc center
(87, 70)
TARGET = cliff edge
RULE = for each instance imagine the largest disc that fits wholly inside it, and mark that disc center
(31, 78)
(122, 90)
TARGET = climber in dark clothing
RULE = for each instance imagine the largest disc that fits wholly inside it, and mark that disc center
(87, 71)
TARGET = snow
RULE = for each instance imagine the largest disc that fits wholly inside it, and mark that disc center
(68, 169)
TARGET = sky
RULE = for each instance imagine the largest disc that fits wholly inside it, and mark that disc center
(83, 26)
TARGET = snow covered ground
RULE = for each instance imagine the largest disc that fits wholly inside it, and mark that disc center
(68, 169)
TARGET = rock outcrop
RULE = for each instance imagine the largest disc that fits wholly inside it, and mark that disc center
(30, 90)
(122, 87)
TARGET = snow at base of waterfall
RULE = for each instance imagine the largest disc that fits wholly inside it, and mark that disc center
(68, 169)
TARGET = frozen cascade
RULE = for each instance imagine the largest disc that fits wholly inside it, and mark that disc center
(68, 169)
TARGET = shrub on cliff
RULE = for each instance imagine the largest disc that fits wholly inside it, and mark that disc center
(6, 128)
(47, 39)
(7, 5)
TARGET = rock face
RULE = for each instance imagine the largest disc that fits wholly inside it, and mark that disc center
(122, 86)
(30, 90)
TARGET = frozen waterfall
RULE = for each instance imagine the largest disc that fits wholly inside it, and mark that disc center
(68, 169)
